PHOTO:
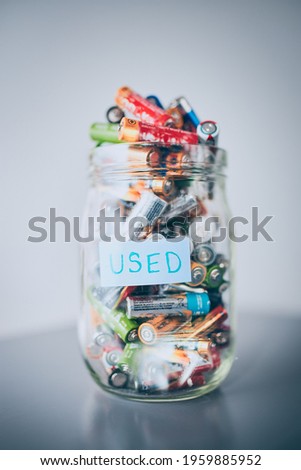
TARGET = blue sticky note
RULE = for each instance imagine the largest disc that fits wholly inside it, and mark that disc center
(145, 262)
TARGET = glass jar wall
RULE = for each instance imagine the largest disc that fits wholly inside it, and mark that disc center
(157, 317)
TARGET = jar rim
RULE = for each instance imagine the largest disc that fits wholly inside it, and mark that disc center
(148, 159)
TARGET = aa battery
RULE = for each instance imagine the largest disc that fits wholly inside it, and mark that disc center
(103, 335)
(132, 130)
(142, 108)
(180, 205)
(208, 132)
(155, 100)
(204, 253)
(117, 320)
(176, 305)
(114, 114)
(166, 289)
(127, 365)
(151, 330)
(186, 110)
(163, 187)
(149, 208)
(214, 277)
(140, 156)
(105, 132)
(214, 319)
(178, 161)
(126, 329)
(176, 116)
(198, 274)
(200, 346)
(110, 359)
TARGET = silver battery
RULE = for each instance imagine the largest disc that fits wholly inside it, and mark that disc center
(114, 114)
(109, 359)
(204, 253)
(148, 209)
(118, 378)
(180, 205)
(147, 307)
(176, 288)
(107, 295)
(103, 335)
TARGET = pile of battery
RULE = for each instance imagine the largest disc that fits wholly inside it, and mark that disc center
(160, 338)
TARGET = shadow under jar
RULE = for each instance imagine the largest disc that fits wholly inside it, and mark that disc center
(157, 318)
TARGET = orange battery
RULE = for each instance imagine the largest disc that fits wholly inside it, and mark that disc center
(150, 331)
(140, 156)
(178, 161)
(163, 186)
(198, 274)
(210, 323)
(177, 117)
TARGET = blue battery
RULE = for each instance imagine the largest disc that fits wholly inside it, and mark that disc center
(189, 112)
(153, 99)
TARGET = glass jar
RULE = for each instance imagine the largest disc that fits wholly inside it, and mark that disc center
(157, 317)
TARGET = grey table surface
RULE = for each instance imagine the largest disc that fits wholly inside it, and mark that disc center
(49, 401)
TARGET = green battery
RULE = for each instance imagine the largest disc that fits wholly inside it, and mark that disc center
(214, 277)
(116, 319)
(129, 359)
(127, 366)
(105, 132)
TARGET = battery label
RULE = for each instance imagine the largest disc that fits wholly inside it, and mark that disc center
(144, 262)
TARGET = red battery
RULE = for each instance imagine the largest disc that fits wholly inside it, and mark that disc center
(142, 108)
(132, 130)
(196, 379)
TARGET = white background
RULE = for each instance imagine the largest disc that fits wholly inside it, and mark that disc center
(61, 62)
